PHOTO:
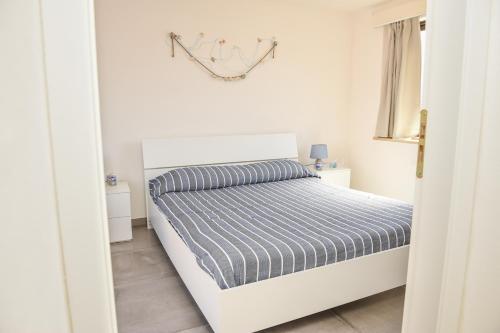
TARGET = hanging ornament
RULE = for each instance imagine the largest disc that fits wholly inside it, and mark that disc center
(176, 39)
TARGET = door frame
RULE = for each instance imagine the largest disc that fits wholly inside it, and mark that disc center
(71, 70)
(69, 47)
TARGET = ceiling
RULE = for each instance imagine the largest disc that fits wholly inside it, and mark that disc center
(348, 5)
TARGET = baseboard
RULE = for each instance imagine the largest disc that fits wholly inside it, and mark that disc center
(139, 222)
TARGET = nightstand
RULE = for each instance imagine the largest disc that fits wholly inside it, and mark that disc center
(119, 217)
(336, 176)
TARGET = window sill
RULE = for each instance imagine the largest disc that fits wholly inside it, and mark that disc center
(400, 140)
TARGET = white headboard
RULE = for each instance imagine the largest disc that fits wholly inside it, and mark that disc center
(188, 151)
(160, 155)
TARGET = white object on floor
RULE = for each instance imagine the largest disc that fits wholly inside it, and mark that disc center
(263, 304)
(119, 216)
(335, 176)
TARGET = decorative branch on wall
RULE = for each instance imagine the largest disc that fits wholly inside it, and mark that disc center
(212, 59)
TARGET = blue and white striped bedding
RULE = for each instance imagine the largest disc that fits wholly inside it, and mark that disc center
(275, 223)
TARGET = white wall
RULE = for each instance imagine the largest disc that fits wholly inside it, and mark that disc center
(147, 94)
(33, 292)
(396, 10)
(386, 168)
(324, 83)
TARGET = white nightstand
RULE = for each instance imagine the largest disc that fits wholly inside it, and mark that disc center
(337, 176)
(119, 217)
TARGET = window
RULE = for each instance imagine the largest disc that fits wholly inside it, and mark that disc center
(401, 93)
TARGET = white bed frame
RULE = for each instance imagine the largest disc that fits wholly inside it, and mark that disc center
(267, 303)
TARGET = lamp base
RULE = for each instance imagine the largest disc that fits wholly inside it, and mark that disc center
(318, 164)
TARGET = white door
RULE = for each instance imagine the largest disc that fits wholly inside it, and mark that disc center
(454, 265)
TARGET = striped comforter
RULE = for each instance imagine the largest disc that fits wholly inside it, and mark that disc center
(255, 231)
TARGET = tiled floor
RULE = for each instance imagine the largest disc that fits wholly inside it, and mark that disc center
(151, 298)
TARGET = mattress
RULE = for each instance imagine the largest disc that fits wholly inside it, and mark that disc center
(262, 228)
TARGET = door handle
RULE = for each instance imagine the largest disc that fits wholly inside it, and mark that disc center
(421, 143)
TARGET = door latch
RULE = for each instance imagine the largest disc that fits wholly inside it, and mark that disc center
(421, 143)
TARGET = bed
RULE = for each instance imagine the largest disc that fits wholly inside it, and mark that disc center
(258, 239)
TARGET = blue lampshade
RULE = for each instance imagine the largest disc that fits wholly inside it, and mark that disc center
(319, 151)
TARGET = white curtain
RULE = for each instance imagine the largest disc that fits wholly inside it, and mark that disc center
(400, 95)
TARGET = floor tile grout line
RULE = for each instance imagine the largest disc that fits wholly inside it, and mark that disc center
(191, 328)
(346, 321)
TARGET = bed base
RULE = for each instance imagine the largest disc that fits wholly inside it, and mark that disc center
(271, 302)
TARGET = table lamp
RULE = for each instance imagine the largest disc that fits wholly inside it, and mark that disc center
(318, 152)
